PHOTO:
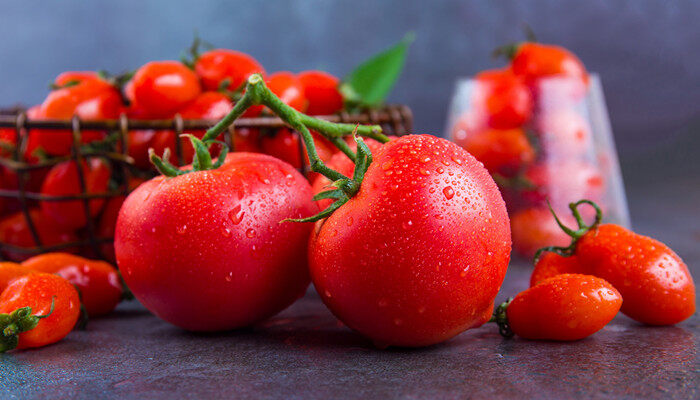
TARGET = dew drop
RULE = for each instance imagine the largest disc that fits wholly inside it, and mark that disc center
(225, 232)
(250, 233)
(407, 224)
(181, 229)
(386, 165)
(236, 215)
(327, 294)
(448, 192)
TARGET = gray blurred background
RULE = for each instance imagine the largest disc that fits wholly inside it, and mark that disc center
(645, 51)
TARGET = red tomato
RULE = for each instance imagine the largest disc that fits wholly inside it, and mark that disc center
(287, 145)
(163, 87)
(64, 78)
(246, 140)
(10, 271)
(138, 142)
(63, 180)
(341, 163)
(15, 231)
(562, 182)
(552, 264)
(564, 134)
(534, 228)
(504, 152)
(98, 282)
(215, 66)
(37, 291)
(321, 91)
(655, 283)
(566, 307)
(503, 98)
(206, 250)
(534, 61)
(107, 225)
(288, 88)
(419, 253)
(8, 141)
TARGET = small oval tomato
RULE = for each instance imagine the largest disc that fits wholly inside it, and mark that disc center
(551, 264)
(163, 87)
(503, 152)
(288, 146)
(10, 271)
(503, 97)
(321, 91)
(172, 232)
(533, 61)
(288, 88)
(534, 228)
(98, 282)
(14, 230)
(565, 307)
(419, 253)
(63, 180)
(216, 66)
(30, 296)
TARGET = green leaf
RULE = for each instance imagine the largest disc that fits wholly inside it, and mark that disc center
(370, 83)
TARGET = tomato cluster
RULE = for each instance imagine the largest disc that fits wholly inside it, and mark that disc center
(523, 124)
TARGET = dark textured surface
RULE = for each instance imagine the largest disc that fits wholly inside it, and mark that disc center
(305, 353)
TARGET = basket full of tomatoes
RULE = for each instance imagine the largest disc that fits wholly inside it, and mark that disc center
(67, 164)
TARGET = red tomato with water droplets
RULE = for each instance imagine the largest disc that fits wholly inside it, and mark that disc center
(163, 87)
(63, 180)
(215, 66)
(98, 282)
(566, 307)
(321, 91)
(503, 98)
(10, 271)
(15, 230)
(552, 264)
(419, 253)
(207, 251)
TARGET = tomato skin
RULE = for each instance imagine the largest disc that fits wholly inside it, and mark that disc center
(36, 291)
(206, 250)
(98, 282)
(655, 283)
(214, 66)
(566, 307)
(163, 87)
(534, 228)
(321, 91)
(418, 254)
(247, 140)
(288, 88)
(552, 264)
(287, 145)
(10, 271)
(534, 61)
(14, 230)
(504, 152)
(63, 179)
(503, 97)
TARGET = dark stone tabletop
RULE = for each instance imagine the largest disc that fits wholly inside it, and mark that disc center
(305, 353)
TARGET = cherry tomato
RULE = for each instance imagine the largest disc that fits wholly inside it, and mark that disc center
(215, 66)
(503, 97)
(10, 271)
(534, 228)
(321, 91)
(74, 77)
(562, 181)
(503, 152)
(288, 88)
(163, 87)
(534, 61)
(138, 143)
(247, 140)
(98, 282)
(564, 134)
(566, 307)
(172, 232)
(341, 163)
(63, 180)
(14, 230)
(419, 253)
(552, 264)
(287, 145)
(31, 296)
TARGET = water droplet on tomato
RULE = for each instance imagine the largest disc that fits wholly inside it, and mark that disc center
(236, 215)
(250, 233)
(407, 224)
(448, 192)
(350, 221)
(181, 229)
(225, 232)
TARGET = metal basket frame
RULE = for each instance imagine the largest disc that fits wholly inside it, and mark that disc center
(394, 119)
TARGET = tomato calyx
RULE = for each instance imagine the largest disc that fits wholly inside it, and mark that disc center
(501, 318)
(509, 50)
(190, 55)
(583, 228)
(18, 321)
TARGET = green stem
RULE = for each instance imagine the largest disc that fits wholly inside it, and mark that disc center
(500, 317)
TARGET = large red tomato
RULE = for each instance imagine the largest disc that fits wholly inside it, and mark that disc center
(207, 251)
(419, 253)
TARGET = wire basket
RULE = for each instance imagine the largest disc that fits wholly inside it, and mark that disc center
(92, 240)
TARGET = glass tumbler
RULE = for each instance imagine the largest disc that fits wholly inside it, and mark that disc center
(563, 153)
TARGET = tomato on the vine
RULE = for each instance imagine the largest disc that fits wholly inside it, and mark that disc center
(321, 91)
(163, 87)
(216, 66)
(288, 88)
(503, 97)
(534, 61)
(419, 253)
(63, 180)
(206, 250)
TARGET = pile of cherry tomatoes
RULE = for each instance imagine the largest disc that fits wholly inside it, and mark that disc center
(158, 90)
(526, 124)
